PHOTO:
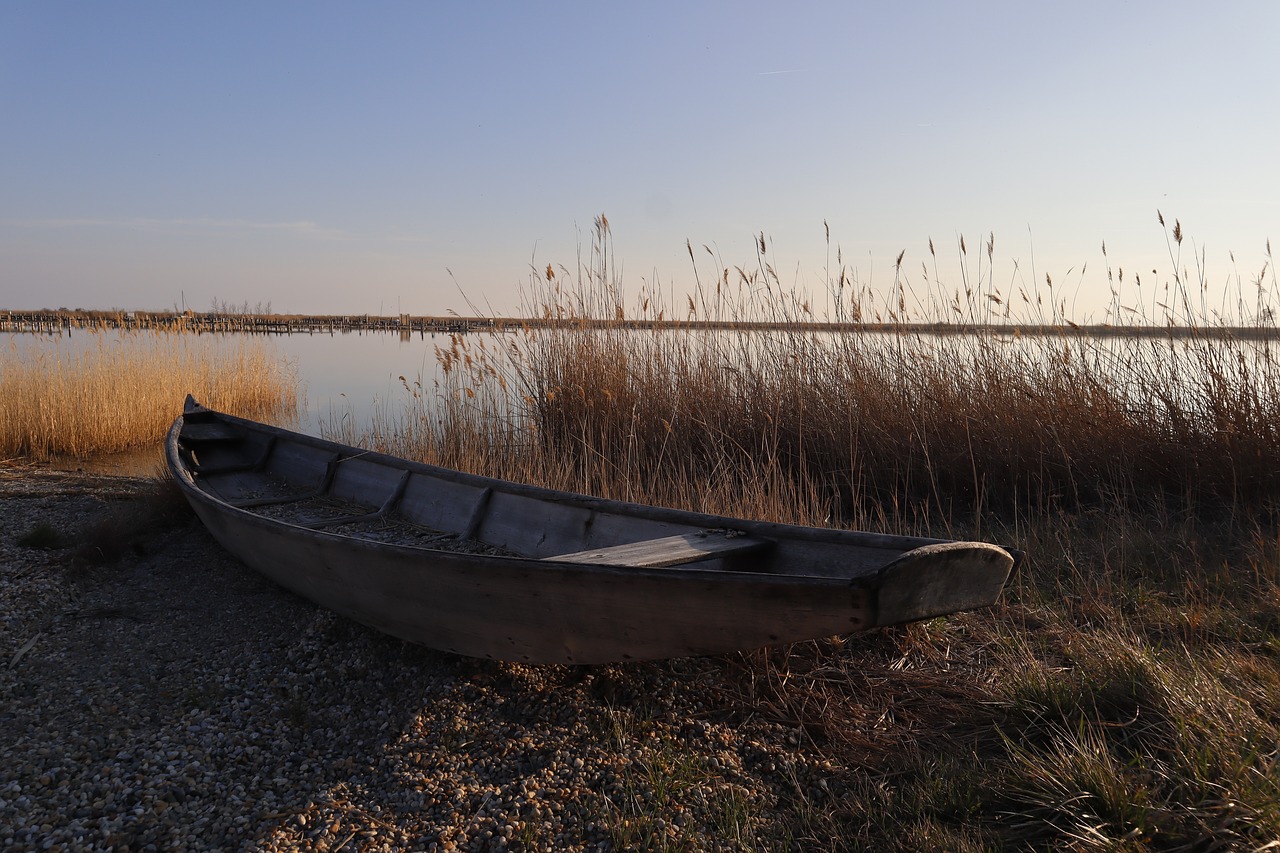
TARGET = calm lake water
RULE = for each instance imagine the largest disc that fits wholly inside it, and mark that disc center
(342, 376)
(347, 377)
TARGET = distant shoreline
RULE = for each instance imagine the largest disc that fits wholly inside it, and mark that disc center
(57, 321)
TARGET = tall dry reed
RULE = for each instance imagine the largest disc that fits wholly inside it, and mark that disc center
(120, 391)
(887, 423)
(1123, 696)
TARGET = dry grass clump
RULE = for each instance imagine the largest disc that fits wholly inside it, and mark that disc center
(1125, 694)
(1103, 706)
(122, 391)
(896, 425)
(128, 528)
(43, 536)
(894, 428)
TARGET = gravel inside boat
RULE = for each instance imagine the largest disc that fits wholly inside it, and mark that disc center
(389, 528)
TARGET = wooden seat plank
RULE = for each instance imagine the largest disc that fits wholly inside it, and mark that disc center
(667, 551)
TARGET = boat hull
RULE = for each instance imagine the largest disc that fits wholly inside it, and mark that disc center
(536, 609)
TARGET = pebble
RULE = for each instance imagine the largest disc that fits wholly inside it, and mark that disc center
(178, 701)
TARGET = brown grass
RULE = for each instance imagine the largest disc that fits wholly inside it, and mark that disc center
(123, 391)
(1125, 694)
(130, 526)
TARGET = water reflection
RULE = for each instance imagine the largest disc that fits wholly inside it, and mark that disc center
(346, 376)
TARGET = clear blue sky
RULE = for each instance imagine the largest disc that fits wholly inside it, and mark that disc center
(341, 157)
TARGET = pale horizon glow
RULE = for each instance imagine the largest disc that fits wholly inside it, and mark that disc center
(415, 158)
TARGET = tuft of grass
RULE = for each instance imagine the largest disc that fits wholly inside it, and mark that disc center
(43, 536)
(128, 528)
(118, 391)
(670, 800)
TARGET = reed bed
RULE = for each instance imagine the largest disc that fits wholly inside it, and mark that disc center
(122, 391)
(1125, 694)
(897, 428)
(893, 427)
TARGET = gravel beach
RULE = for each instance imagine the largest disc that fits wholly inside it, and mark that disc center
(172, 699)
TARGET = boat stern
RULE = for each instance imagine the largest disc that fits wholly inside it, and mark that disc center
(935, 580)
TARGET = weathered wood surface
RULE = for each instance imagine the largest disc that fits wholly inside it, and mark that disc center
(553, 577)
(198, 433)
(668, 551)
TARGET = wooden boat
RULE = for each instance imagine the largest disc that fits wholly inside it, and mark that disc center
(493, 569)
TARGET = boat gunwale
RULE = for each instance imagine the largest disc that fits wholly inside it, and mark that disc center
(893, 546)
(651, 512)
(686, 572)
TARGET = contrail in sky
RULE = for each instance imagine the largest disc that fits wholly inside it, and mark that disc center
(788, 71)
